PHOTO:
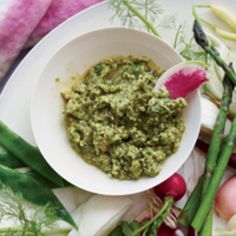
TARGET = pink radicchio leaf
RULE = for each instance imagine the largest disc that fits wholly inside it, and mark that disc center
(19, 19)
(59, 11)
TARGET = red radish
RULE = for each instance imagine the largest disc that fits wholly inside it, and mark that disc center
(164, 230)
(204, 147)
(174, 186)
(225, 204)
(191, 232)
(16, 24)
(170, 190)
(59, 11)
(183, 78)
(232, 161)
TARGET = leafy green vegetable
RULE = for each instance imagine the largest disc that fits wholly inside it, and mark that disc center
(147, 227)
(33, 191)
(24, 218)
(131, 12)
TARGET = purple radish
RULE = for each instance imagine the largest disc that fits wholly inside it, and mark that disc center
(183, 78)
(18, 21)
(58, 12)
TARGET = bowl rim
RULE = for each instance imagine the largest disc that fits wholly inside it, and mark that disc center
(32, 107)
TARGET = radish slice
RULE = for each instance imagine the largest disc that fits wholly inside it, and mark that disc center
(16, 24)
(58, 12)
(183, 78)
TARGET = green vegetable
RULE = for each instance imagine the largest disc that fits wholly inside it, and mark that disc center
(214, 147)
(203, 185)
(28, 154)
(41, 179)
(217, 136)
(33, 191)
(9, 160)
(207, 227)
(217, 176)
(190, 207)
(129, 11)
(149, 227)
(201, 39)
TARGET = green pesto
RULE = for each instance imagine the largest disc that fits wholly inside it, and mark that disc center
(117, 122)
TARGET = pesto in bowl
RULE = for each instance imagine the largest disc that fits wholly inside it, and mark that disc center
(117, 122)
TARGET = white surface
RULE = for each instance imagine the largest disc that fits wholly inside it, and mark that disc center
(47, 106)
(15, 98)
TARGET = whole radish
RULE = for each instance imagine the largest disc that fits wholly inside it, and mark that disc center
(170, 190)
(164, 230)
(225, 204)
(174, 186)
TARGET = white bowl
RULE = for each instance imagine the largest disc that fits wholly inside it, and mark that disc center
(47, 105)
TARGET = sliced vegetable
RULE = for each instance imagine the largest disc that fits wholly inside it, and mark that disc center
(213, 87)
(59, 11)
(99, 215)
(33, 191)
(182, 79)
(9, 160)
(225, 206)
(28, 154)
(16, 24)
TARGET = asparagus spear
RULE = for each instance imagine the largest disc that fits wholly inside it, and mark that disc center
(215, 144)
(199, 192)
(217, 176)
(201, 39)
(194, 200)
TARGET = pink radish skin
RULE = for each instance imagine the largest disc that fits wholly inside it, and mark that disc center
(184, 81)
(16, 25)
(225, 204)
(174, 186)
(164, 230)
(59, 11)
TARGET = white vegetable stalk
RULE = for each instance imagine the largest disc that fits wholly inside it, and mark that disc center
(209, 116)
(99, 215)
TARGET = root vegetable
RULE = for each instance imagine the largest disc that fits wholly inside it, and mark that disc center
(225, 206)
(174, 186)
